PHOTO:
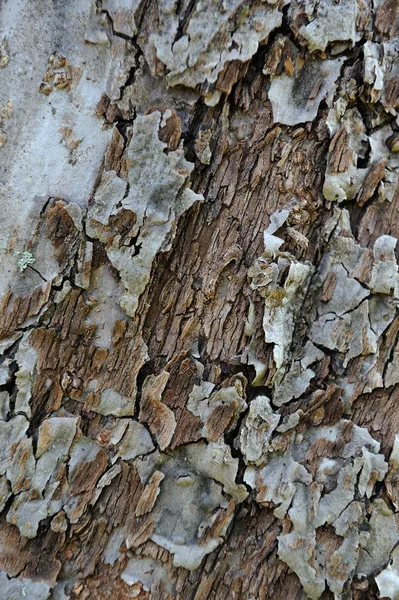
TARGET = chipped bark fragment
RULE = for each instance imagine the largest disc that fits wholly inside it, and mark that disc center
(280, 308)
(5, 491)
(392, 479)
(4, 58)
(218, 410)
(346, 180)
(341, 155)
(38, 479)
(170, 128)
(373, 71)
(59, 74)
(149, 495)
(87, 462)
(373, 178)
(159, 418)
(391, 101)
(202, 148)
(386, 20)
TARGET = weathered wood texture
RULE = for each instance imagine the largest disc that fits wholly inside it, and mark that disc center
(199, 293)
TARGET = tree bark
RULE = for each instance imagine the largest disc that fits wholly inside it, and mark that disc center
(199, 292)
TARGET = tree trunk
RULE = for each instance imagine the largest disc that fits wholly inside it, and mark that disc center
(199, 291)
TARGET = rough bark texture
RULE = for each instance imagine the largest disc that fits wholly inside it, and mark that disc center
(199, 289)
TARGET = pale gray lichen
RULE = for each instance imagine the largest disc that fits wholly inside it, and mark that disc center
(374, 69)
(349, 334)
(345, 181)
(272, 242)
(103, 301)
(4, 405)
(385, 275)
(198, 397)
(27, 513)
(324, 496)
(112, 549)
(56, 436)
(158, 196)
(355, 326)
(61, 591)
(37, 149)
(136, 441)
(295, 381)
(5, 372)
(124, 59)
(20, 588)
(192, 499)
(109, 194)
(122, 14)
(26, 358)
(303, 539)
(388, 579)
(215, 460)
(382, 537)
(354, 298)
(283, 302)
(11, 432)
(277, 481)
(354, 293)
(146, 570)
(113, 403)
(280, 309)
(304, 92)
(330, 23)
(36, 476)
(215, 35)
(256, 432)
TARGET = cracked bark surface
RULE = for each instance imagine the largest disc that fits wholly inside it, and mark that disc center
(199, 300)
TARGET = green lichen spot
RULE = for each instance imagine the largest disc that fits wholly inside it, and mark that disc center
(26, 259)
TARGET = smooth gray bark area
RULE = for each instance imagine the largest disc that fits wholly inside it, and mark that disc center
(199, 300)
